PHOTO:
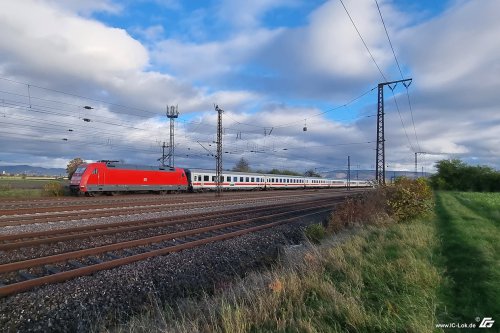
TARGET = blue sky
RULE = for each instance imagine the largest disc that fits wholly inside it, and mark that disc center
(269, 64)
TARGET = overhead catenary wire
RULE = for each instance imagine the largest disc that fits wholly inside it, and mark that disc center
(289, 124)
(80, 96)
(363, 40)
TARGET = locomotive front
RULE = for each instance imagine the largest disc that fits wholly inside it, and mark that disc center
(76, 185)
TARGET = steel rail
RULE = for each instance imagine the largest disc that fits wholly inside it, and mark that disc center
(15, 266)
(66, 202)
(62, 276)
(71, 210)
(53, 236)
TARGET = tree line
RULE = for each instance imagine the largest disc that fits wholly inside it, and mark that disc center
(456, 175)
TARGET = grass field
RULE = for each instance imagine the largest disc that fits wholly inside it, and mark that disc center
(29, 187)
(468, 225)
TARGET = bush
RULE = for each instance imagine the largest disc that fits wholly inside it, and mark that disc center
(408, 198)
(315, 233)
(53, 189)
(405, 199)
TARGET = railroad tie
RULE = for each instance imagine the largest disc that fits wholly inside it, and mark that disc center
(76, 264)
(95, 260)
(155, 246)
(112, 256)
(25, 275)
(51, 269)
(129, 252)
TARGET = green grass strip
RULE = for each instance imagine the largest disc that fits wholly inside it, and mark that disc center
(470, 241)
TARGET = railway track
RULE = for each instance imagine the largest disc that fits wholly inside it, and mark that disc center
(14, 241)
(34, 216)
(26, 274)
(6, 207)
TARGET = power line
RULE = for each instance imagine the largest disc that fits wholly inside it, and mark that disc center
(276, 126)
(401, 72)
(389, 39)
(79, 96)
(364, 43)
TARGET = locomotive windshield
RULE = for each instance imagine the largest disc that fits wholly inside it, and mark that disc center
(80, 170)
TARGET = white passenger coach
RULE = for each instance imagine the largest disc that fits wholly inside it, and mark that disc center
(204, 180)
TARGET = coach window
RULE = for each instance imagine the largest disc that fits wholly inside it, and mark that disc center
(228, 178)
(247, 179)
(235, 179)
(206, 178)
(241, 179)
(252, 179)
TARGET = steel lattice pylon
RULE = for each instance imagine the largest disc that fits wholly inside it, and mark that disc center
(218, 169)
(172, 114)
(380, 154)
(380, 165)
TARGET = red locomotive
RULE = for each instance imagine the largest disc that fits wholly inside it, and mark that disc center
(111, 177)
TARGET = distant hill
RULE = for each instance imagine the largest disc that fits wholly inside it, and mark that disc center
(31, 170)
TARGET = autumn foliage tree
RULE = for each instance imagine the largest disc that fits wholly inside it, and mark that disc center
(72, 165)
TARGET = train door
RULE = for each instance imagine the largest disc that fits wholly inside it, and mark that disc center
(96, 178)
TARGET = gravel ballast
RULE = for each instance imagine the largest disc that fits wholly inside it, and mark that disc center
(112, 296)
